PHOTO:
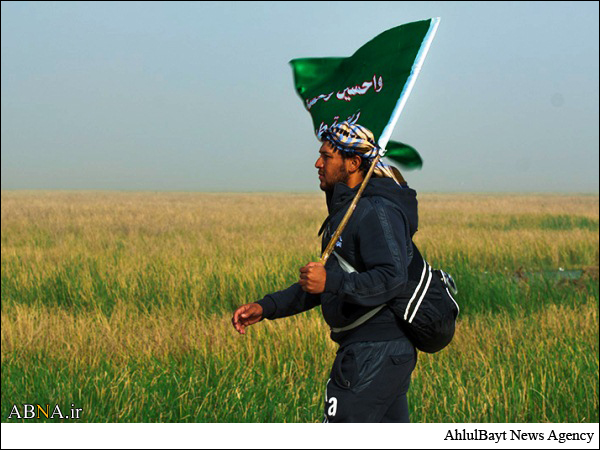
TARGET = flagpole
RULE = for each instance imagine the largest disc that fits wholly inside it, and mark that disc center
(387, 131)
(410, 82)
(327, 253)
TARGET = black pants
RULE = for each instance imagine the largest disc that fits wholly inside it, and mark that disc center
(369, 382)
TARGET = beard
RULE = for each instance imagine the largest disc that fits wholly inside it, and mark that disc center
(341, 176)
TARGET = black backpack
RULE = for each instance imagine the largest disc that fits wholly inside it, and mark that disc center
(428, 311)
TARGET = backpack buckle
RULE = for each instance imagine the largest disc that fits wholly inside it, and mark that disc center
(449, 282)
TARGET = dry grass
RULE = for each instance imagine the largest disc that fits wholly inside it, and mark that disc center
(120, 302)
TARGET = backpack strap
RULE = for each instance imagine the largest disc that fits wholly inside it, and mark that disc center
(345, 265)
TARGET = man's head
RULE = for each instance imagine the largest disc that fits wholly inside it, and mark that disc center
(337, 166)
(345, 155)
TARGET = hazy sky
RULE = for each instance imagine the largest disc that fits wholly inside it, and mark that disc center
(199, 96)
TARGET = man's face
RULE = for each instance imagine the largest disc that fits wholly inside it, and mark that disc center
(332, 167)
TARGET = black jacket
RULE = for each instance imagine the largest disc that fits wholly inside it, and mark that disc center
(377, 244)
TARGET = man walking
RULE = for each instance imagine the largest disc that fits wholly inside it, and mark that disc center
(369, 267)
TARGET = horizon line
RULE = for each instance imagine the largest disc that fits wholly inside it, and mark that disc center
(175, 191)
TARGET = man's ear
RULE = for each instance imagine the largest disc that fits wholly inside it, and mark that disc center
(354, 163)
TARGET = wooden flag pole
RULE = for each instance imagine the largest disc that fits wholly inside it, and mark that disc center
(327, 253)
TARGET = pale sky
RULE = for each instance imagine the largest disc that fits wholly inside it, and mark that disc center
(168, 96)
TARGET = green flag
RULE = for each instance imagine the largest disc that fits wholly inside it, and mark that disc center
(370, 87)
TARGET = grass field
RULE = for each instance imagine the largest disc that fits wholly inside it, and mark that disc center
(120, 304)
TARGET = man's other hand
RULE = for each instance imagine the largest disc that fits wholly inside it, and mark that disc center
(312, 278)
(245, 316)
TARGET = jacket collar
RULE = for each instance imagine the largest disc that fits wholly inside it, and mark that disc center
(340, 196)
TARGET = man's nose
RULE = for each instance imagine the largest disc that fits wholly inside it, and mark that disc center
(319, 163)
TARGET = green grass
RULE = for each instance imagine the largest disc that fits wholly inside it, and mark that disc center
(539, 368)
(536, 222)
(82, 286)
